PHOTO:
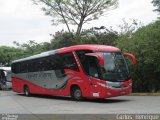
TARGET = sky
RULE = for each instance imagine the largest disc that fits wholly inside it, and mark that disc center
(21, 20)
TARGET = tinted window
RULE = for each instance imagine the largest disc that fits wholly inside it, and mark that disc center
(52, 63)
(23, 67)
(33, 65)
(90, 66)
(69, 61)
(42, 64)
(83, 59)
(15, 68)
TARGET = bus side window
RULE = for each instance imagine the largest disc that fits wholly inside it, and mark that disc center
(51, 63)
(83, 59)
(15, 68)
(23, 67)
(92, 66)
(33, 65)
(57, 65)
(69, 61)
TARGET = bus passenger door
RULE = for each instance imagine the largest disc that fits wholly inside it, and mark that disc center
(93, 72)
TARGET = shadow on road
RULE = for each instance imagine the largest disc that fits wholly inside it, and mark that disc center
(109, 100)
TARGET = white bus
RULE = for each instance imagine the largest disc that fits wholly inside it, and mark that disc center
(5, 78)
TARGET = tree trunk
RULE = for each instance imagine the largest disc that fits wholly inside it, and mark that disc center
(68, 27)
(79, 28)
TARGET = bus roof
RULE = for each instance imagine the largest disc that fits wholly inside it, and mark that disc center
(89, 47)
(71, 48)
(43, 54)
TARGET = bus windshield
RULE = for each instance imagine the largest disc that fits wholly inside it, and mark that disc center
(115, 67)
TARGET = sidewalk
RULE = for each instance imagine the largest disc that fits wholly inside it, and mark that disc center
(6, 93)
(144, 94)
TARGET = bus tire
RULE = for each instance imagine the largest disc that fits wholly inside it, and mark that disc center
(0, 86)
(76, 93)
(26, 91)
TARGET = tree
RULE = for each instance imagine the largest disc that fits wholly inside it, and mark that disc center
(31, 47)
(156, 3)
(76, 12)
(8, 54)
(99, 35)
(63, 39)
(144, 43)
(128, 27)
(95, 35)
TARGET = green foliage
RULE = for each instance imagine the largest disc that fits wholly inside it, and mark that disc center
(145, 44)
(62, 39)
(31, 47)
(8, 54)
(91, 36)
(100, 35)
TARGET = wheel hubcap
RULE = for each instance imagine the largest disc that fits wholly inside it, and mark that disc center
(77, 94)
(26, 91)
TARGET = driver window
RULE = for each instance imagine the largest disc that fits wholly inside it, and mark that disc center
(89, 63)
(91, 66)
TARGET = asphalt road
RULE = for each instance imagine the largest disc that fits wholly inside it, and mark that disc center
(14, 103)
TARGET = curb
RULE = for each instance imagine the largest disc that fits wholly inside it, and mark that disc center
(144, 94)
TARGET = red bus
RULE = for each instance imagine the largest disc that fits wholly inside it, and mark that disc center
(80, 71)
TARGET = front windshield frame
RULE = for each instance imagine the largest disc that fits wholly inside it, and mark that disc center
(117, 69)
(82, 57)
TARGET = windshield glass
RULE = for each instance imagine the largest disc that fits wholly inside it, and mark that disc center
(115, 67)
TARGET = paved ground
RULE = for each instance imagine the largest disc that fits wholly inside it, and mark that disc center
(11, 102)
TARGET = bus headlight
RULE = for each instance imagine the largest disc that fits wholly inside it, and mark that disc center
(101, 84)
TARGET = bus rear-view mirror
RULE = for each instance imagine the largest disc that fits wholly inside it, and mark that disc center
(98, 56)
(131, 56)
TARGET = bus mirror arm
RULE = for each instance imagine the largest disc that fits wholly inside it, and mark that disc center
(133, 58)
(98, 56)
(101, 60)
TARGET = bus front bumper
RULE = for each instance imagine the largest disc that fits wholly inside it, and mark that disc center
(109, 91)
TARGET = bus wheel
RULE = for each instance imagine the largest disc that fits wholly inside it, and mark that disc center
(0, 86)
(76, 93)
(26, 91)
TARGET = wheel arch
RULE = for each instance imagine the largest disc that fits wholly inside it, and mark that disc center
(73, 86)
(25, 85)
